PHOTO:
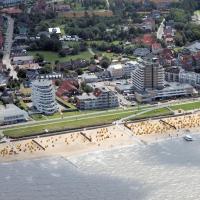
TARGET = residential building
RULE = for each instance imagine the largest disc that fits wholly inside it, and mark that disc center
(67, 89)
(128, 67)
(20, 60)
(191, 78)
(43, 96)
(103, 75)
(156, 48)
(172, 74)
(100, 98)
(11, 114)
(186, 60)
(148, 75)
(148, 24)
(89, 78)
(170, 90)
(116, 70)
(10, 3)
(141, 52)
(166, 57)
(124, 89)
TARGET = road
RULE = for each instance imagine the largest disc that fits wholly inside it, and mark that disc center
(160, 31)
(91, 51)
(108, 4)
(7, 46)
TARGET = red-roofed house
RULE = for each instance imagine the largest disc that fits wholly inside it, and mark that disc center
(148, 39)
(68, 88)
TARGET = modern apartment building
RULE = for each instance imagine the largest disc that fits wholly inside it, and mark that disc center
(149, 84)
(128, 67)
(148, 75)
(191, 78)
(43, 96)
(100, 98)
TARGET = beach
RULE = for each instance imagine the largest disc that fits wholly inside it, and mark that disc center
(66, 144)
(168, 169)
(80, 142)
(114, 162)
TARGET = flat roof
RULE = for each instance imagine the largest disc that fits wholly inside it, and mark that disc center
(115, 66)
(10, 110)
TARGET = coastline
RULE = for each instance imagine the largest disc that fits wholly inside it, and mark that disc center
(64, 145)
(98, 139)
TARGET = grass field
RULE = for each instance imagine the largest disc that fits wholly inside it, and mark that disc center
(52, 56)
(79, 122)
(77, 119)
(187, 106)
(154, 113)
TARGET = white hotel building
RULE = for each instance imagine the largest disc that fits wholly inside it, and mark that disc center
(43, 96)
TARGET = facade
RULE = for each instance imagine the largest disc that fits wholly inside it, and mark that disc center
(172, 74)
(156, 48)
(10, 3)
(148, 75)
(128, 67)
(116, 70)
(100, 98)
(141, 52)
(43, 96)
(169, 91)
(191, 78)
(89, 78)
(11, 114)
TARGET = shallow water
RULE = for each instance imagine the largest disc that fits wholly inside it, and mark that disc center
(166, 170)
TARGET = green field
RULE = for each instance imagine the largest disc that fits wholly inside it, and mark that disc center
(52, 56)
(187, 106)
(154, 113)
(77, 122)
(81, 119)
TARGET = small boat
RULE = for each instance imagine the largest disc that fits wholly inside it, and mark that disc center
(188, 138)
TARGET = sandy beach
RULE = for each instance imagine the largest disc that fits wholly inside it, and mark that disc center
(66, 144)
(76, 143)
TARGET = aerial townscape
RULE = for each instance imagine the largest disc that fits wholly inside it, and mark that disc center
(99, 99)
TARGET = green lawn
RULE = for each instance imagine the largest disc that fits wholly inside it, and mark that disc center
(81, 119)
(52, 56)
(187, 106)
(64, 124)
(154, 113)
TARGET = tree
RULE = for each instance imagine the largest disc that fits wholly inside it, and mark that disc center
(21, 74)
(57, 82)
(79, 71)
(39, 57)
(105, 62)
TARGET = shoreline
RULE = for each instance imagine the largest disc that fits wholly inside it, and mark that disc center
(69, 144)
(100, 139)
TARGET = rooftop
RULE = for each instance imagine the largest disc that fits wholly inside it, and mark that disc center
(10, 110)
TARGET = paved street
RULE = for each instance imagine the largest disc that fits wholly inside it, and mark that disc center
(8, 45)
(161, 30)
